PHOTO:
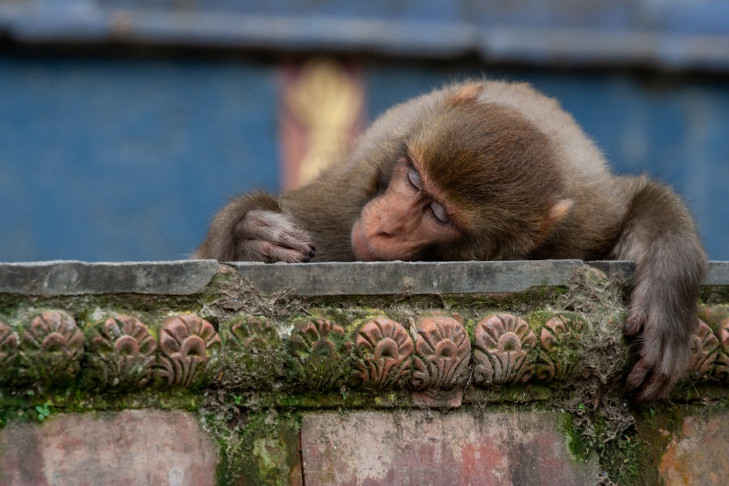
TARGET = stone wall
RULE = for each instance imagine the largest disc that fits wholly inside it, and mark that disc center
(361, 373)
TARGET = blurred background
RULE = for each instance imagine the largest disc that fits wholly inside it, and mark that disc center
(125, 124)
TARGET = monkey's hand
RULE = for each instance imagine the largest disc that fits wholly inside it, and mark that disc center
(252, 228)
(269, 236)
(665, 327)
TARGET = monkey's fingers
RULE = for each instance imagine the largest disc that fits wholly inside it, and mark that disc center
(664, 357)
(649, 381)
(291, 238)
(265, 251)
(278, 230)
(635, 321)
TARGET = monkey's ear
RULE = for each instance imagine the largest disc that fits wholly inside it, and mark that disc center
(557, 212)
(466, 93)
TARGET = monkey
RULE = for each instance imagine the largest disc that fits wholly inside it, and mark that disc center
(488, 170)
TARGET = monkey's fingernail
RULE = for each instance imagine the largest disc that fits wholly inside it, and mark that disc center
(632, 326)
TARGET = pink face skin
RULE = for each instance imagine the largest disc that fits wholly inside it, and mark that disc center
(404, 221)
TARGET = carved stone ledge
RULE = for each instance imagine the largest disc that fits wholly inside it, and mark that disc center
(721, 366)
(254, 355)
(384, 352)
(442, 352)
(8, 352)
(559, 338)
(373, 354)
(705, 348)
(187, 344)
(50, 349)
(319, 355)
(121, 353)
(503, 354)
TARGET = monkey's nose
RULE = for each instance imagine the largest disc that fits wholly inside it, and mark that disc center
(389, 227)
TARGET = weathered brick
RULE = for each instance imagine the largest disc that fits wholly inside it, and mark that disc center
(133, 447)
(698, 454)
(433, 448)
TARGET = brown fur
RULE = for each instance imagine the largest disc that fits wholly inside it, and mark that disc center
(525, 182)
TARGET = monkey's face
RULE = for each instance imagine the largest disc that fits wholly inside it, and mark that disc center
(405, 221)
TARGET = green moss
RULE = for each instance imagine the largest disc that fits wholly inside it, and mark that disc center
(21, 404)
(718, 294)
(471, 306)
(256, 448)
(618, 454)
(713, 314)
(575, 442)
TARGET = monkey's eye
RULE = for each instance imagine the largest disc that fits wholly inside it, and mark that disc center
(414, 179)
(439, 212)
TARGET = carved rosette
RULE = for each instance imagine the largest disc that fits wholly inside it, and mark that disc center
(253, 352)
(721, 365)
(121, 353)
(188, 346)
(383, 354)
(704, 348)
(442, 351)
(51, 348)
(319, 355)
(503, 350)
(559, 335)
(8, 352)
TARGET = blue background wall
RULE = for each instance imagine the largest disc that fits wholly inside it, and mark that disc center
(104, 157)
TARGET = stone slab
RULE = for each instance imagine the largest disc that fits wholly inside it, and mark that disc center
(133, 447)
(187, 277)
(698, 453)
(717, 272)
(52, 278)
(412, 278)
(433, 448)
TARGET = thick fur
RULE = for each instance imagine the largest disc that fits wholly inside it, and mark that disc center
(527, 183)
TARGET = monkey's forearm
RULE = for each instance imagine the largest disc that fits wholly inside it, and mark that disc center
(661, 237)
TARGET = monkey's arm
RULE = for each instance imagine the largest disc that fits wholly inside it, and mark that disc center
(252, 228)
(659, 234)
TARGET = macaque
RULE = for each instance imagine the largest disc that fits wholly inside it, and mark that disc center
(487, 170)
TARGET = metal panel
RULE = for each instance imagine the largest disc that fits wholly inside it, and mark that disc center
(679, 33)
(128, 160)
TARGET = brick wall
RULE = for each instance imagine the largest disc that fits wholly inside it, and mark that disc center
(386, 373)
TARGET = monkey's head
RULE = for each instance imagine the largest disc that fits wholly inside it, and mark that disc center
(469, 180)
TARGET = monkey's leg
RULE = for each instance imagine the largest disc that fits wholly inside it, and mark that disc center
(659, 234)
(252, 228)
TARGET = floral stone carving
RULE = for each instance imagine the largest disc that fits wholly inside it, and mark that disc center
(8, 352)
(253, 355)
(121, 353)
(721, 365)
(503, 350)
(442, 349)
(51, 348)
(319, 354)
(559, 336)
(383, 354)
(704, 348)
(188, 345)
